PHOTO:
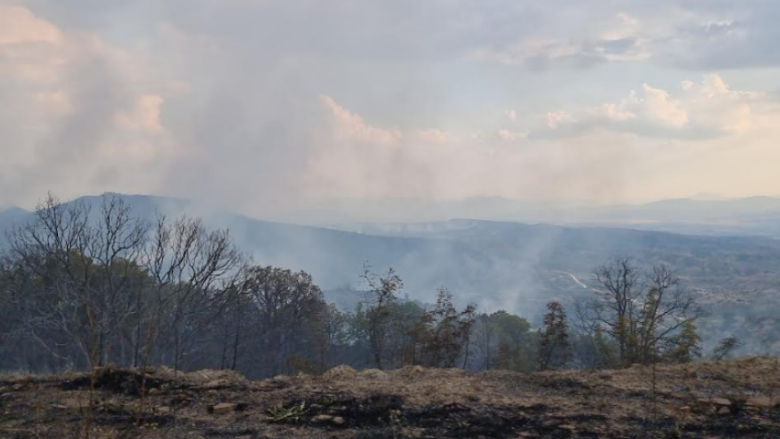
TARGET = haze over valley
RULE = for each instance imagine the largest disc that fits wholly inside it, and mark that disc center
(519, 267)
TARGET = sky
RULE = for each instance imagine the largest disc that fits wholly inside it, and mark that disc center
(267, 105)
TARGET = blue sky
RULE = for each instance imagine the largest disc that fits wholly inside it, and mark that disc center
(269, 104)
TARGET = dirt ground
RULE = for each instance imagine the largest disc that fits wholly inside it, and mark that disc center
(735, 399)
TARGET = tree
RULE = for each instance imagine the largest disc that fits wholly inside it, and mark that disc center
(285, 305)
(335, 333)
(554, 348)
(725, 347)
(605, 349)
(640, 311)
(379, 300)
(685, 346)
(484, 336)
(512, 342)
(444, 332)
(194, 270)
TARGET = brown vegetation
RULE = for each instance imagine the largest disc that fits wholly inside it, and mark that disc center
(697, 400)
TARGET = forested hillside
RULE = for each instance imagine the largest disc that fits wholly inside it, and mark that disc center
(501, 266)
(99, 281)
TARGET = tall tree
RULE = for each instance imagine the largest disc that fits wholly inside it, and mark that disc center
(285, 305)
(640, 311)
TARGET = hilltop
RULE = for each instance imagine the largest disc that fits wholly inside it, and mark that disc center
(699, 400)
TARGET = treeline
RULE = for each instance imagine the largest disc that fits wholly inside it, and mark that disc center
(81, 288)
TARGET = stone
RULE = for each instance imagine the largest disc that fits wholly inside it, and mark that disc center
(213, 384)
(685, 409)
(763, 402)
(71, 403)
(222, 408)
(339, 421)
(720, 402)
(724, 411)
(319, 419)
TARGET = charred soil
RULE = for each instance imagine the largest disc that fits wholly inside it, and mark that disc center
(735, 399)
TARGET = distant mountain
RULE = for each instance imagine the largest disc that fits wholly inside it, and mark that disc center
(8, 218)
(701, 214)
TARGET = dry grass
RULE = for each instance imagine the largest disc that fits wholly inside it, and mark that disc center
(410, 402)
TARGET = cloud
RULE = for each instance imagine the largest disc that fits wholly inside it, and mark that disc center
(725, 35)
(267, 105)
(705, 109)
(659, 108)
(433, 135)
(619, 38)
(510, 136)
(351, 126)
(18, 25)
(79, 115)
(145, 116)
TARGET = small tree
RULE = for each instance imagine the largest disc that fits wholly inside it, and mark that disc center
(685, 346)
(379, 299)
(605, 349)
(725, 348)
(444, 332)
(554, 349)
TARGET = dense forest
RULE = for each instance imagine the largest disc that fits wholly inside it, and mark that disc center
(81, 288)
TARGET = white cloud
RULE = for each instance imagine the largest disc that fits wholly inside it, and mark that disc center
(705, 109)
(151, 96)
(433, 136)
(554, 119)
(510, 136)
(658, 107)
(18, 25)
(79, 112)
(351, 126)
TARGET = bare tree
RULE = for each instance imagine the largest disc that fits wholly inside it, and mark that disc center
(193, 270)
(78, 266)
(638, 310)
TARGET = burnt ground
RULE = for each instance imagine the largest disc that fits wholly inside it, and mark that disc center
(736, 399)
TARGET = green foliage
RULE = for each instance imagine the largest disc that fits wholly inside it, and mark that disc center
(725, 348)
(512, 342)
(297, 363)
(605, 348)
(686, 346)
(283, 414)
(554, 348)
